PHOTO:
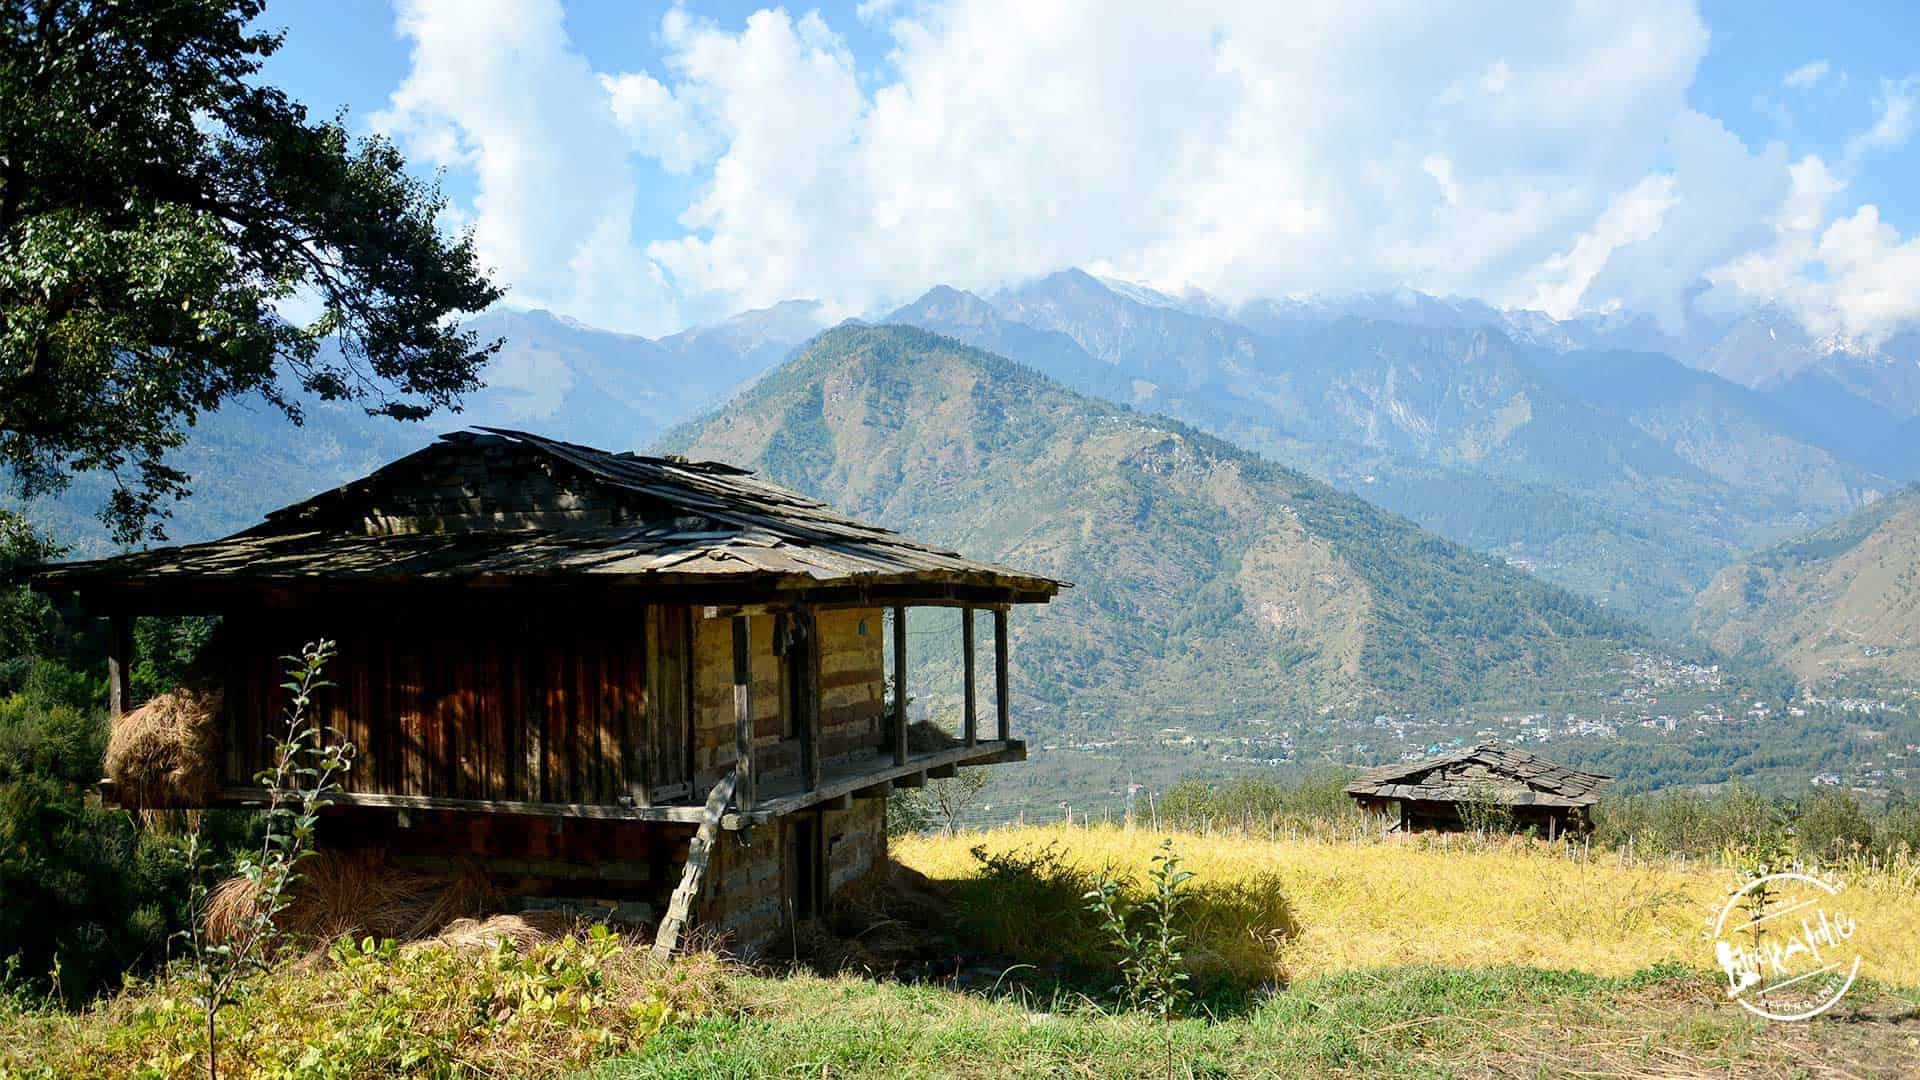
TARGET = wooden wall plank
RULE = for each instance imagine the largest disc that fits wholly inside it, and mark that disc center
(559, 783)
(413, 720)
(535, 712)
(634, 716)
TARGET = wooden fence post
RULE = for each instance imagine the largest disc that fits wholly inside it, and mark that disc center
(966, 647)
(1005, 711)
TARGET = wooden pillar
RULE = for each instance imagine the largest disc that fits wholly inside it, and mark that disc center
(809, 638)
(742, 715)
(966, 647)
(119, 665)
(1002, 705)
(900, 686)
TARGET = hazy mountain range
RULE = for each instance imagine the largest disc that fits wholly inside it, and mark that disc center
(1606, 454)
(1628, 476)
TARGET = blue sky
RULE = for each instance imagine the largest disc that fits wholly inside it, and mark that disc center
(644, 165)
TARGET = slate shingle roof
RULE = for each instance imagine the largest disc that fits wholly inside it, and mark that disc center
(672, 521)
(1514, 776)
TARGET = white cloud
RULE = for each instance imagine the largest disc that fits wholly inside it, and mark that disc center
(1894, 126)
(1657, 239)
(1807, 75)
(1854, 275)
(1634, 216)
(1526, 155)
(1209, 145)
(662, 125)
(496, 88)
(875, 10)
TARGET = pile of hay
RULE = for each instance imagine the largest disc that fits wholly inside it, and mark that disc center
(520, 931)
(359, 893)
(166, 753)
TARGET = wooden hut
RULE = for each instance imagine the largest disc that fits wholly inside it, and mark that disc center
(1430, 794)
(591, 673)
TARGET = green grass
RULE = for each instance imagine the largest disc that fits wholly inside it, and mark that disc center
(1397, 1022)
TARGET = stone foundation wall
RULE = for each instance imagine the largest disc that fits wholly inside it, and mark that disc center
(627, 871)
(752, 880)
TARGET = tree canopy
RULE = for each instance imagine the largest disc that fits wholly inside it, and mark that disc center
(158, 208)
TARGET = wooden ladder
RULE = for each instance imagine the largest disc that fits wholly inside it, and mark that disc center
(699, 850)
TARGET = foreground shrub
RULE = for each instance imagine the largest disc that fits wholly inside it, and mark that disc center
(84, 891)
(369, 1010)
(1029, 905)
(1151, 960)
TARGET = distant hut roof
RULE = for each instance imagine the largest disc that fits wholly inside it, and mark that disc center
(1514, 777)
(498, 506)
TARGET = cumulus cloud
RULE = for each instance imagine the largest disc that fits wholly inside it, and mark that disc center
(1848, 275)
(1209, 146)
(497, 89)
(1542, 157)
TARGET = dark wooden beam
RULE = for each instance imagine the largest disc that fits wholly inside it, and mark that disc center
(809, 628)
(253, 796)
(972, 719)
(1001, 704)
(943, 772)
(119, 665)
(838, 802)
(900, 686)
(875, 791)
(742, 714)
(911, 780)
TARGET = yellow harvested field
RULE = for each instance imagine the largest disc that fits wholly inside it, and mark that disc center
(1461, 903)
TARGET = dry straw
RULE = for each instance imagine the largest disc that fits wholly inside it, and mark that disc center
(165, 753)
(360, 893)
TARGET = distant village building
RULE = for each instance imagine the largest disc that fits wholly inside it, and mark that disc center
(600, 677)
(1439, 793)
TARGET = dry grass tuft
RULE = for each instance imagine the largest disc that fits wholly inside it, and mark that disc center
(164, 754)
(357, 893)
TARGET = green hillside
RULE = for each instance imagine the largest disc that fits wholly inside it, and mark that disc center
(1624, 477)
(1843, 601)
(1208, 583)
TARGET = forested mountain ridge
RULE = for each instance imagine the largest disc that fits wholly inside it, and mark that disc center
(1208, 582)
(1841, 602)
(1630, 478)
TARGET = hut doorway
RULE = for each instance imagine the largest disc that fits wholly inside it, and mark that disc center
(805, 875)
